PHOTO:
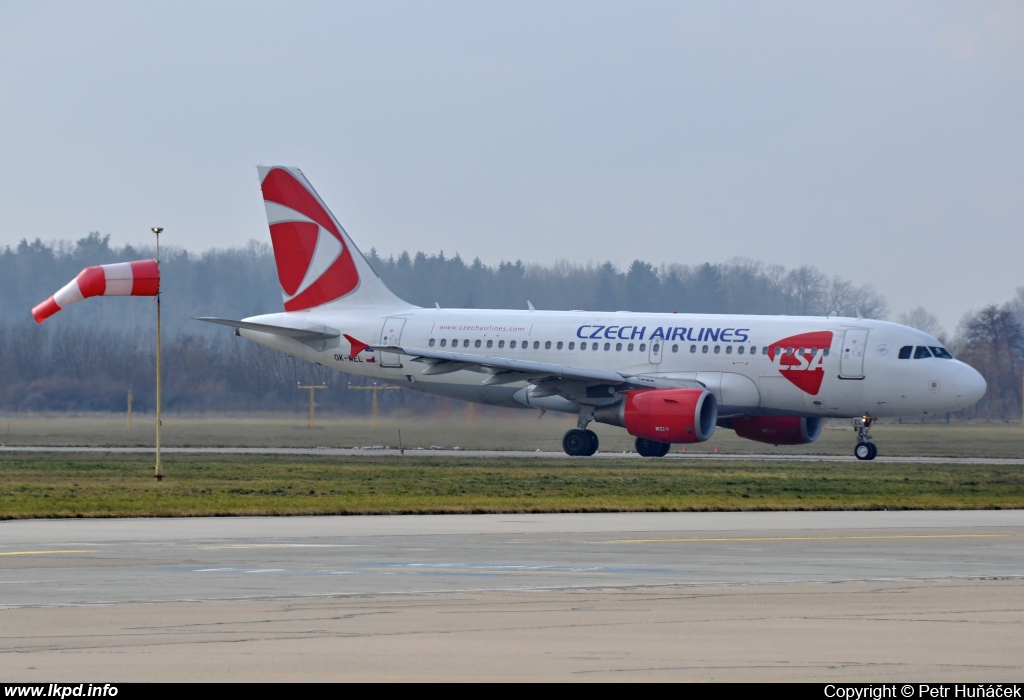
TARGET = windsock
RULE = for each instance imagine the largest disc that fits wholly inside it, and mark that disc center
(140, 278)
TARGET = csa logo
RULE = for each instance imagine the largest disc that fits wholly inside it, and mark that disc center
(313, 264)
(801, 359)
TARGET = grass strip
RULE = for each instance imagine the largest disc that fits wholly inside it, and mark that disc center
(51, 486)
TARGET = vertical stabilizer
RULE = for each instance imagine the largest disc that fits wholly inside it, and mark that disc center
(317, 263)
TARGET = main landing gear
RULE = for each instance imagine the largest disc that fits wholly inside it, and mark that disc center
(650, 448)
(865, 449)
(580, 442)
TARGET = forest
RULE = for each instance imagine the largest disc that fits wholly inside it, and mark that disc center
(92, 354)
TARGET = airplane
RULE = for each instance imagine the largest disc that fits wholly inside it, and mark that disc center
(666, 378)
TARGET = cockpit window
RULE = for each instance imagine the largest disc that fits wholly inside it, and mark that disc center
(942, 353)
(906, 351)
(921, 352)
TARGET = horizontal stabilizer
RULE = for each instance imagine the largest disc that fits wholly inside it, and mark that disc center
(300, 334)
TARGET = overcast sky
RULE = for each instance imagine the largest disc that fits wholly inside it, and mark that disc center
(879, 141)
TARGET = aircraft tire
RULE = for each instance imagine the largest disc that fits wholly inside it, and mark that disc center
(651, 448)
(594, 442)
(865, 451)
(576, 442)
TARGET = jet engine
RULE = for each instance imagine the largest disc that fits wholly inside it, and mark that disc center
(664, 415)
(777, 430)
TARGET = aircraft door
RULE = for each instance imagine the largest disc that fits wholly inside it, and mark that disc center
(851, 363)
(657, 348)
(391, 334)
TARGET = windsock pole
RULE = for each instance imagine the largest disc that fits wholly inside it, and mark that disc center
(159, 473)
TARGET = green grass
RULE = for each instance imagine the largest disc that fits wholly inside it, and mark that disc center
(474, 429)
(45, 485)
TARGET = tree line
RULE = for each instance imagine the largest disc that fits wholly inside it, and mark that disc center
(91, 354)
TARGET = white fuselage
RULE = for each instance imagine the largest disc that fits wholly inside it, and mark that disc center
(831, 367)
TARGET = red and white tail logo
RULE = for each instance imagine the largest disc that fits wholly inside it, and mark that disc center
(314, 264)
(801, 359)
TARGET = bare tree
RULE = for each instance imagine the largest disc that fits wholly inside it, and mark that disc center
(920, 319)
(992, 340)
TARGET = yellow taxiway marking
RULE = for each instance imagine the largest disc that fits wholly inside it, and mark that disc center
(49, 551)
(809, 538)
(259, 546)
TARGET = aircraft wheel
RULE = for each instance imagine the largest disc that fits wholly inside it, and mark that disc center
(865, 451)
(594, 442)
(576, 443)
(651, 448)
(874, 450)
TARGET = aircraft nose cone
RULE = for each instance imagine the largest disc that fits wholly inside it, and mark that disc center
(969, 386)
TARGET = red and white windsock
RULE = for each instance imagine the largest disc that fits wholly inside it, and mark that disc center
(140, 278)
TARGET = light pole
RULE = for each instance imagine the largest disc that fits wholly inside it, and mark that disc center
(159, 474)
(312, 401)
(375, 388)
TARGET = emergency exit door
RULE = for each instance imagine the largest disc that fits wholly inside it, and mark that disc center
(391, 334)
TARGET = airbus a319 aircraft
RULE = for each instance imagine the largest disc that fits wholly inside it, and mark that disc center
(665, 378)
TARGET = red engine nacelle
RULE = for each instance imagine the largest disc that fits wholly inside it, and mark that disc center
(664, 415)
(778, 430)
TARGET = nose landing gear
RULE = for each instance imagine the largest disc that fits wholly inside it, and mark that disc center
(865, 449)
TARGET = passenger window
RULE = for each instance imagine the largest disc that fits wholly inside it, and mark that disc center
(490, 343)
(740, 349)
(942, 353)
(501, 343)
(643, 347)
(693, 348)
(455, 343)
(728, 349)
(789, 351)
(607, 346)
(431, 343)
(547, 345)
(825, 354)
(921, 352)
(536, 345)
(717, 349)
(704, 349)
(512, 345)
(559, 347)
(443, 342)
(583, 346)
(618, 347)
(675, 348)
(656, 347)
(572, 345)
(477, 343)
(630, 347)
(465, 343)
(906, 351)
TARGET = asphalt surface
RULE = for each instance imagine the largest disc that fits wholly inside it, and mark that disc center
(865, 596)
(511, 454)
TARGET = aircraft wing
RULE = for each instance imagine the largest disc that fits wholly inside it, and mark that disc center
(503, 370)
(301, 334)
